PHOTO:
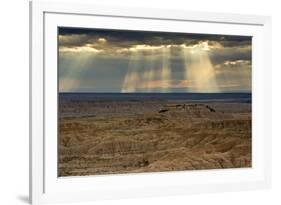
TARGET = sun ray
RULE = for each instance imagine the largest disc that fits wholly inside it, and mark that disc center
(166, 70)
(199, 71)
(78, 61)
(132, 77)
(149, 72)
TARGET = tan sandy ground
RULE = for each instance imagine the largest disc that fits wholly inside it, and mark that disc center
(128, 137)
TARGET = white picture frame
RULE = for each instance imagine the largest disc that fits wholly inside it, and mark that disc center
(46, 187)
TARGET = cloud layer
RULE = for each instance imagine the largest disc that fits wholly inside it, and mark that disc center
(92, 60)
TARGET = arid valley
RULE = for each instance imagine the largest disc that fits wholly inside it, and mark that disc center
(150, 135)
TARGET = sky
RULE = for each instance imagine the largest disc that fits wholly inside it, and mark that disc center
(99, 60)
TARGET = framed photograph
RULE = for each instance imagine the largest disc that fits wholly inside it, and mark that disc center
(129, 102)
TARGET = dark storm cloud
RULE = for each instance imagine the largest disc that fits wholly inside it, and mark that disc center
(124, 38)
(233, 53)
